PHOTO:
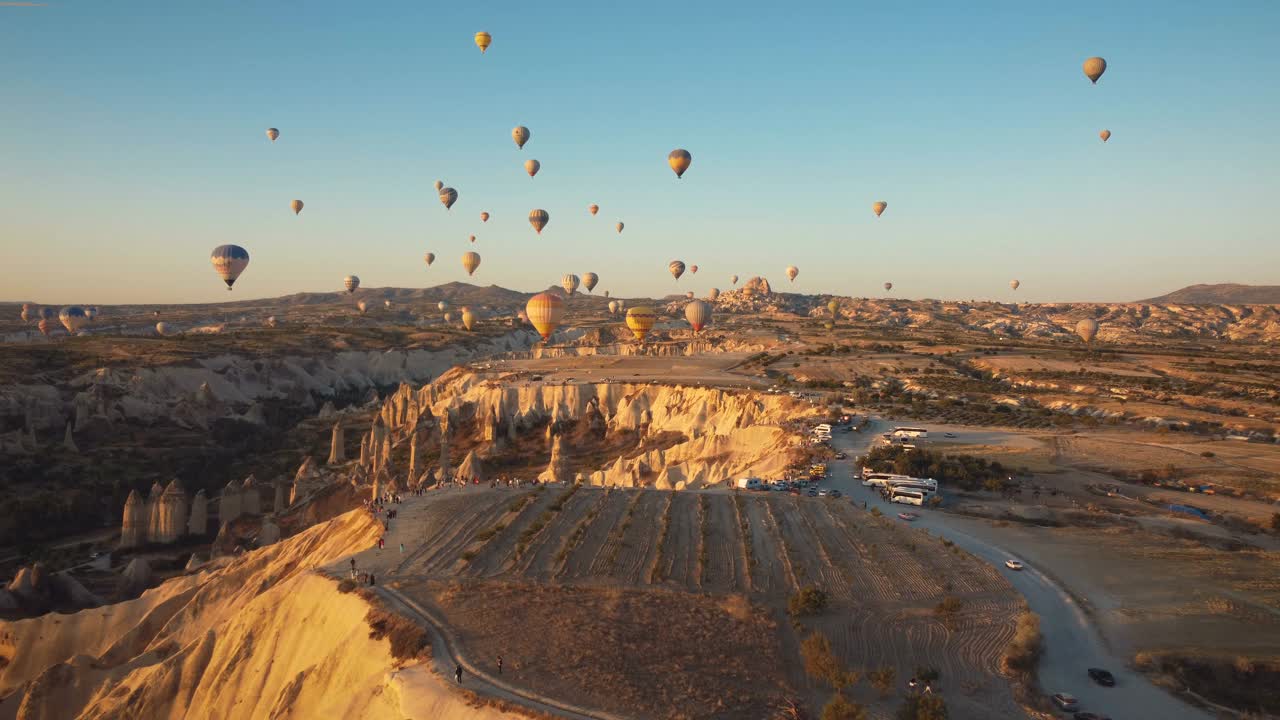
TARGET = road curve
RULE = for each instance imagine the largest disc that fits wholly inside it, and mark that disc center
(1072, 642)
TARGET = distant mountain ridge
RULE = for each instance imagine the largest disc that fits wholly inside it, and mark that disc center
(1222, 293)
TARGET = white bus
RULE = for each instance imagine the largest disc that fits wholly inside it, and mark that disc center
(880, 479)
(907, 497)
(926, 491)
(923, 482)
(911, 432)
(822, 428)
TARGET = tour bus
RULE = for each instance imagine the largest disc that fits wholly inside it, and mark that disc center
(911, 432)
(881, 479)
(926, 482)
(824, 428)
(750, 483)
(926, 491)
(907, 497)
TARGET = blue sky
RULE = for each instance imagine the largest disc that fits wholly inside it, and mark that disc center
(132, 141)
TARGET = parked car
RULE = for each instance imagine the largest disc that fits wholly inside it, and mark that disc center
(1102, 677)
(835, 493)
(948, 435)
(824, 492)
(907, 516)
(841, 456)
(813, 492)
(1066, 702)
(1013, 564)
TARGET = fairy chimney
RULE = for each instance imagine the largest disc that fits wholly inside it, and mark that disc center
(337, 445)
(134, 530)
(171, 515)
(198, 519)
(280, 499)
(229, 506)
(250, 497)
(69, 442)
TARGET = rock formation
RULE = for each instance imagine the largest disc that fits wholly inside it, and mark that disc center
(136, 578)
(280, 498)
(470, 470)
(69, 442)
(558, 469)
(133, 533)
(269, 534)
(169, 519)
(337, 445)
(250, 497)
(198, 519)
(229, 505)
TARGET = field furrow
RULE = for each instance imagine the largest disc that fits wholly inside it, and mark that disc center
(586, 557)
(723, 571)
(539, 559)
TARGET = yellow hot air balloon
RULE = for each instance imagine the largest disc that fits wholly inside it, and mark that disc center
(792, 272)
(640, 320)
(733, 279)
(297, 206)
(1014, 284)
(693, 269)
(162, 328)
(544, 311)
(679, 161)
(484, 217)
(468, 318)
(521, 135)
(619, 226)
(570, 283)
(449, 317)
(483, 40)
(878, 207)
(539, 219)
(1105, 135)
(698, 314)
(676, 268)
(470, 261)
(834, 307)
(273, 134)
(593, 209)
(1087, 329)
(448, 196)
(430, 258)
(1093, 68)
(532, 166)
(713, 294)
(589, 281)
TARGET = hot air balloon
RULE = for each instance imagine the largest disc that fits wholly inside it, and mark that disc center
(570, 283)
(470, 261)
(73, 318)
(362, 306)
(834, 307)
(733, 279)
(593, 209)
(28, 312)
(448, 196)
(698, 314)
(693, 269)
(468, 318)
(613, 307)
(679, 161)
(484, 217)
(676, 268)
(688, 295)
(619, 226)
(640, 320)
(443, 305)
(296, 205)
(521, 135)
(386, 304)
(878, 207)
(1087, 328)
(792, 272)
(829, 325)
(1105, 135)
(539, 219)
(544, 311)
(1093, 68)
(472, 238)
(483, 39)
(351, 282)
(449, 317)
(439, 186)
(162, 328)
(589, 281)
(271, 321)
(1014, 284)
(713, 294)
(273, 134)
(532, 166)
(888, 286)
(45, 326)
(229, 261)
(47, 313)
(430, 258)
(91, 312)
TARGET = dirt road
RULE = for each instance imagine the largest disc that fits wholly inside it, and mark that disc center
(1072, 642)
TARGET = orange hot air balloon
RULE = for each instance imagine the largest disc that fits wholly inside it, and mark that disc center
(679, 161)
(472, 238)
(470, 261)
(539, 219)
(693, 269)
(46, 326)
(1105, 135)
(698, 314)
(544, 311)
(878, 207)
(640, 320)
(484, 217)
(593, 209)
(1093, 69)
(296, 205)
(619, 226)
(532, 167)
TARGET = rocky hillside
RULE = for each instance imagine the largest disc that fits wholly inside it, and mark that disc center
(1231, 293)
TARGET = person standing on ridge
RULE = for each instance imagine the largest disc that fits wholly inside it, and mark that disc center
(499, 664)
(457, 673)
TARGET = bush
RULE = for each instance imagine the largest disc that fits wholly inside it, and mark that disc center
(822, 665)
(1207, 454)
(809, 601)
(346, 585)
(1275, 521)
(1024, 649)
(840, 708)
(949, 606)
(408, 639)
(923, 707)
(882, 680)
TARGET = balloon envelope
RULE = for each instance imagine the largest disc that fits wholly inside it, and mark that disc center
(698, 314)
(483, 40)
(792, 272)
(733, 279)
(676, 268)
(439, 186)
(73, 318)
(544, 311)
(878, 207)
(1087, 329)
(570, 283)
(28, 312)
(273, 134)
(713, 294)
(229, 261)
(162, 328)
(593, 208)
(1105, 135)
(351, 282)
(442, 305)
(640, 320)
(693, 269)
(45, 325)
(679, 160)
(532, 166)
(1093, 68)
(613, 307)
(468, 318)
(448, 196)
(484, 217)
(888, 286)
(834, 307)
(297, 206)
(430, 258)
(362, 306)
(521, 135)
(539, 219)
(470, 261)
(619, 226)
(589, 281)
(1014, 284)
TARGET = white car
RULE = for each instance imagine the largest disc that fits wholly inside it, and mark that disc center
(1013, 564)
(824, 492)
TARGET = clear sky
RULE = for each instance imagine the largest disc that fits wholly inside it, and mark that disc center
(132, 141)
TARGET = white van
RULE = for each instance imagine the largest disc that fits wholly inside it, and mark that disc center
(749, 484)
(907, 497)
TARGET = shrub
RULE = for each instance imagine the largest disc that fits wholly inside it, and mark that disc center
(808, 601)
(822, 665)
(923, 707)
(408, 639)
(1275, 521)
(347, 585)
(1024, 649)
(882, 680)
(1207, 454)
(950, 605)
(841, 708)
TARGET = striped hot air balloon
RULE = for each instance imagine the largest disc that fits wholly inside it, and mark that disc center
(589, 281)
(538, 219)
(351, 282)
(448, 196)
(73, 318)
(640, 321)
(483, 41)
(676, 268)
(544, 311)
(470, 261)
(229, 261)
(698, 313)
(570, 283)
